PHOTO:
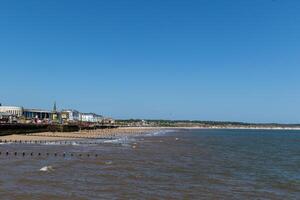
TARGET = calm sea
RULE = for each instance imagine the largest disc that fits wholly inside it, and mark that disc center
(182, 164)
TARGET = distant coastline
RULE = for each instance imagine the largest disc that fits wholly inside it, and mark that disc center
(242, 128)
(183, 124)
(225, 128)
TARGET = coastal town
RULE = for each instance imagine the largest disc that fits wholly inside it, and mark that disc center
(21, 115)
(66, 120)
(22, 124)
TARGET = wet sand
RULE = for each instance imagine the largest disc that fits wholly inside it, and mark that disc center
(85, 134)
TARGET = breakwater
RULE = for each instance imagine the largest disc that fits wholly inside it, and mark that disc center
(44, 155)
(57, 142)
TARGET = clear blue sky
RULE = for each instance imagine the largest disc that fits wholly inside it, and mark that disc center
(199, 59)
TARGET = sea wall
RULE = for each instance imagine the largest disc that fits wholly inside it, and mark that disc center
(8, 129)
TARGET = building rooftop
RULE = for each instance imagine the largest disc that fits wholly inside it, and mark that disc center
(70, 110)
(37, 110)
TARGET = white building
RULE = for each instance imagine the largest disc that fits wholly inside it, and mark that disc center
(91, 117)
(14, 110)
(72, 115)
(87, 117)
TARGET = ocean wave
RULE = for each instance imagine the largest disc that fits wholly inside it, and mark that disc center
(124, 141)
(159, 133)
(115, 141)
(3, 143)
(120, 140)
(60, 143)
(47, 169)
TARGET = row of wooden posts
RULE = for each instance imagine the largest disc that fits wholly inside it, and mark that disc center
(33, 154)
(50, 142)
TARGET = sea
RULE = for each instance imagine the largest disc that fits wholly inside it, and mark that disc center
(168, 164)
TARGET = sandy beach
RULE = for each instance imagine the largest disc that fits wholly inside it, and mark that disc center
(80, 135)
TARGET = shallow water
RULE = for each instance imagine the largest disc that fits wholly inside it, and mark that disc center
(199, 164)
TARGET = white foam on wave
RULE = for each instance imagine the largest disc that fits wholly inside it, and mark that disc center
(47, 169)
(115, 141)
(123, 141)
(59, 144)
(120, 140)
(3, 143)
(159, 133)
(51, 143)
(108, 162)
(74, 144)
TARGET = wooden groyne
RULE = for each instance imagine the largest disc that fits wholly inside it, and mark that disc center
(59, 142)
(44, 155)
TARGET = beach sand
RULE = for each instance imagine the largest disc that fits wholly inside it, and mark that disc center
(80, 135)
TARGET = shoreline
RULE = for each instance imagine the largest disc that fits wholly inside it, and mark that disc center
(116, 133)
(240, 128)
(80, 135)
(225, 128)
